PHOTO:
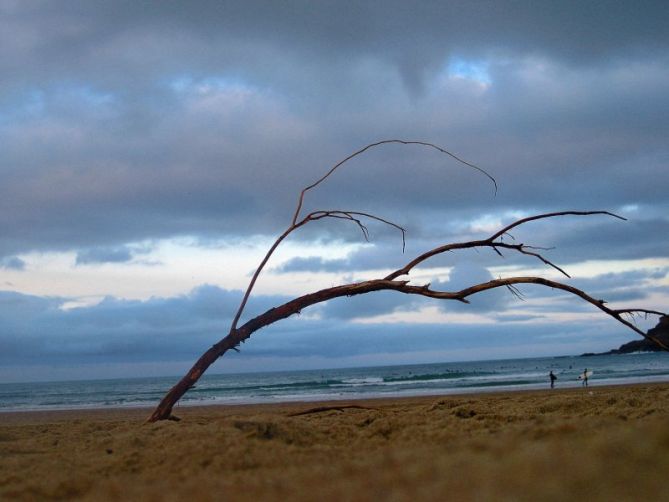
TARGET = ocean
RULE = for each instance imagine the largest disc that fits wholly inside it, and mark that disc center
(338, 384)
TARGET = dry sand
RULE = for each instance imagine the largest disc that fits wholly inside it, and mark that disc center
(601, 443)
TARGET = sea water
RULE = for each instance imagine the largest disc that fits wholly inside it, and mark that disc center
(338, 384)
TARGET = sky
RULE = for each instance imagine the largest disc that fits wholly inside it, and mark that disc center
(150, 153)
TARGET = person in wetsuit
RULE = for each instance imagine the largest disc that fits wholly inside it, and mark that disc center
(553, 378)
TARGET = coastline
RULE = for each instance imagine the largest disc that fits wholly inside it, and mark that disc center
(140, 413)
(601, 442)
(455, 378)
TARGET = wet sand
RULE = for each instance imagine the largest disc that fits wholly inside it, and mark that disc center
(601, 443)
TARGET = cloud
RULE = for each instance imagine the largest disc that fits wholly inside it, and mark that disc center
(124, 123)
(369, 305)
(381, 303)
(85, 35)
(312, 264)
(465, 275)
(633, 288)
(112, 254)
(623, 286)
(207, 120)
(12, 263)
(104, 255)
(481, 341)
(35, 328)
(383, 253)
(638, 238)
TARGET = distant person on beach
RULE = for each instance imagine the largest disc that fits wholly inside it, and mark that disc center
(553, 378)
(584, 376)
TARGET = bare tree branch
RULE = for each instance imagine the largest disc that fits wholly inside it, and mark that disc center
(523, 249)
(320, 180)
(644, 312)
(295, 224)
(313, 216)
(350, 215)
(522, 221)
(237, 335)
(492, 243)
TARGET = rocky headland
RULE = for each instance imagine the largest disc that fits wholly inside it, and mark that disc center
(660, 332)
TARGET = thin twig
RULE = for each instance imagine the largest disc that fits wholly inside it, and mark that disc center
(349, 215)
(492, 243)
(295, 224)
(320, 180)
(522, 221)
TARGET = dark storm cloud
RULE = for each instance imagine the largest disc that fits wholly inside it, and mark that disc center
(126, 121)
(78, 36)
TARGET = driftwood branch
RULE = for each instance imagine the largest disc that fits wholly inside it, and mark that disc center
(322, 409)
(391, 282)
(349, 215)
(296, 305)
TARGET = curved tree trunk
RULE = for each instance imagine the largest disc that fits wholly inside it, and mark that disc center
(164, 410)
(495, 242)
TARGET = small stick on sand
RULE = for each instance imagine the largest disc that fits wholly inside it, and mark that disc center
(321, 409)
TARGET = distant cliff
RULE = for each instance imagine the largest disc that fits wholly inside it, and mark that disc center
(661, 332)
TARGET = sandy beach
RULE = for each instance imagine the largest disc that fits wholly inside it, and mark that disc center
(600, 443)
